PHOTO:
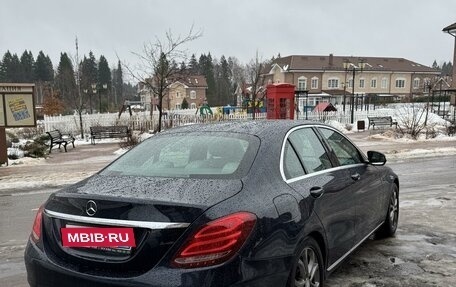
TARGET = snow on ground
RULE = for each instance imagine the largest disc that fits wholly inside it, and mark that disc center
(421, 153)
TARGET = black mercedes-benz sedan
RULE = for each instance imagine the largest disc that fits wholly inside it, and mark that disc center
(258, 203)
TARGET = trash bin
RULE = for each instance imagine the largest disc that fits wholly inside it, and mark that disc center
(361, 125)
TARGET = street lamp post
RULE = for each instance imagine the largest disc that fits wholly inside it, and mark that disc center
(86, 91)
(428, 85)
(360, 67)
(346, 65)
(94, 91)
(97, 89)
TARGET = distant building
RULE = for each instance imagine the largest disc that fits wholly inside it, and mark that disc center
(326, 79)
(191, 87)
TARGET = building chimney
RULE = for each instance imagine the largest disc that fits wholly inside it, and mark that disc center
(331, 59)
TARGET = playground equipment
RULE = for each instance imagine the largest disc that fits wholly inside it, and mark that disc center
(127, 105)
(204, 110)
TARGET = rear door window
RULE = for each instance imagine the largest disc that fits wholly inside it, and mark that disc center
(310, 150)
(344, 150)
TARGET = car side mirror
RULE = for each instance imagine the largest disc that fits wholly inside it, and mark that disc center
(376, 158)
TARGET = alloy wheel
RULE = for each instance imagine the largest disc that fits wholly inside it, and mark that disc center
(308, 269)
(393, 209)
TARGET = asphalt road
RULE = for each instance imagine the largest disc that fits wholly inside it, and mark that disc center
(422, 254)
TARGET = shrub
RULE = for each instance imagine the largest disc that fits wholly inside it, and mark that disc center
(348, 127)
(29, 133)
(130, 142)
(37, 148)
(11, 138)
(13, 156)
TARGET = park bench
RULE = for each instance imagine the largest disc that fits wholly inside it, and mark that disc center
(381, 121)
(57, 138)
(101, 132)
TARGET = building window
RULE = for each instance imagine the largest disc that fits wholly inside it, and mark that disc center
(192, 95)
(373, 83)
(384, 83)
(400, 83)
(416, 83)
(314, 83)
(178, 106)
(302, 83)
(192, 106)
(177, 95)
(350, 83)
(361, 83)
(333, 83)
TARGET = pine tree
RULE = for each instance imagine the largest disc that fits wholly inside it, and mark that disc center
(447, 69)
(27, 63)
(104, 83)
(435, 65)
(49, 68)
(117, 84)
(184, 104)
(4, 68)
(66, 84)
(207, 69)
(193, 66)
(15, 70)
(224, 82)
(88, 74)
(11, 69)
(43, 69)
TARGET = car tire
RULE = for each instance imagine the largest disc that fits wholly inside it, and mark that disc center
(388, 228)
(308, 267)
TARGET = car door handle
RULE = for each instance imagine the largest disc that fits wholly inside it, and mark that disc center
(356, 176)
(316, 191)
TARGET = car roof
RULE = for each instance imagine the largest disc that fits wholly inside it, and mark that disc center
(261, 128)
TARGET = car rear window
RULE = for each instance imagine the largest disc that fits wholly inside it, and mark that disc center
(202, 155)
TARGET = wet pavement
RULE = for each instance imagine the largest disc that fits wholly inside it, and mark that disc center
(423, 253)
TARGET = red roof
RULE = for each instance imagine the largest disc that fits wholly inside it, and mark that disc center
(324, 107)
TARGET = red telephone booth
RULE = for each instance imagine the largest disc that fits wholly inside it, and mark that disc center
(280, 101)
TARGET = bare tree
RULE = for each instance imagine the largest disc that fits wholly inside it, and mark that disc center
(159, 67)
(412, 120)
(237, 79)
(254, 71)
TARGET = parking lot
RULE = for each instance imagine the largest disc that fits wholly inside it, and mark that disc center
(422, 254)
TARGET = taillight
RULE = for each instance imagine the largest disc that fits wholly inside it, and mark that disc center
(216, 241)
(36, 230)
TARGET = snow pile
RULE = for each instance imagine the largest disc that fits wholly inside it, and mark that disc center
(339, 126)
(422, 153)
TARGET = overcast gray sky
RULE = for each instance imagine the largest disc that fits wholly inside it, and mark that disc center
(391, 28)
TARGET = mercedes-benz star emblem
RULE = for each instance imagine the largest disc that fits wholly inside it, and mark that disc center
(91, 208)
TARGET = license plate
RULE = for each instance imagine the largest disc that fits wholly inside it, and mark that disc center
(117, 239)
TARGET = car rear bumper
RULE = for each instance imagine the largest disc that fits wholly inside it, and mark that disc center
(42, 272)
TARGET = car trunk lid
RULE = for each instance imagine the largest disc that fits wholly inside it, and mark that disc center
(158, 210)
